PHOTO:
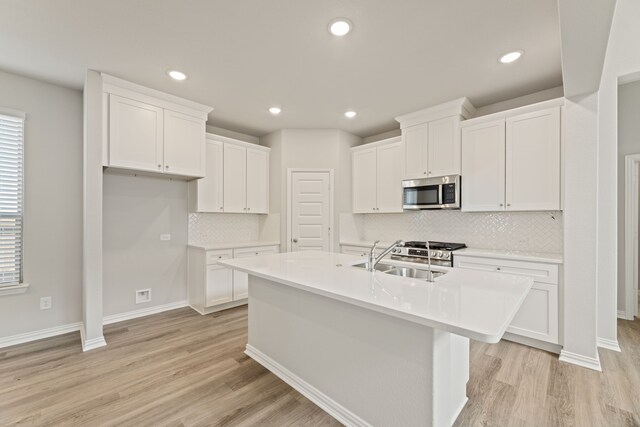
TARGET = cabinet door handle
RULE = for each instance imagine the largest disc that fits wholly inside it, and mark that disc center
(159, 166)
(248, 209)
(424, 173)
(257, 253)
(501, 204)
(295, 240)
(508, 204)
(498, 268)
(221, 208)
(166, 167)
(429, 172)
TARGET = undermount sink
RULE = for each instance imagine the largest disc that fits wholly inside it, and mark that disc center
(413, 273)
(378, 267)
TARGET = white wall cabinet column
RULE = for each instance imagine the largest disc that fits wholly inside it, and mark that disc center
(257, 181)
(184, 151)
(483, 167)
(533, 161)
(511, 161)
(206, 194)
(136, 134)
(150, 131)
(389, 178)
(235, 178)
(364, 172)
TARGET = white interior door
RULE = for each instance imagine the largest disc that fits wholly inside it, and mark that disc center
(636, 226)
(310, 211)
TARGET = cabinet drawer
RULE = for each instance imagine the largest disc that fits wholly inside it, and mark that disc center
(358, 250)
(214, 256)
(541, 273)
(255, 251)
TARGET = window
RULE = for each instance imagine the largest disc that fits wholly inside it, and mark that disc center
(11, 179)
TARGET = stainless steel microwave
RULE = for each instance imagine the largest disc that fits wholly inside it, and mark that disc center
(442, 192)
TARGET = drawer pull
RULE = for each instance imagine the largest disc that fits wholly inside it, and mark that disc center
(498, 268)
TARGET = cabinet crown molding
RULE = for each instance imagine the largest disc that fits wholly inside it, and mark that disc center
(457, 107)
(251, 145)
(556, 102)
(141, 93)
(376, 143)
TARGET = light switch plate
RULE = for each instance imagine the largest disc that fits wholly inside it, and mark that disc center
(143, 295)
(45, 303)
(165, 237)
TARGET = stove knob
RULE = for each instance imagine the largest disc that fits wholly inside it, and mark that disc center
(433, 253)
(446, 255)
(440, 253)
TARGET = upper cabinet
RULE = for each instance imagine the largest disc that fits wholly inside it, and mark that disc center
(512, 161)
(431, 139)
(149, 131)
(237, 178)
(377, 171)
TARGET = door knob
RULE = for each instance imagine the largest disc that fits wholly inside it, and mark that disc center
(294, 240)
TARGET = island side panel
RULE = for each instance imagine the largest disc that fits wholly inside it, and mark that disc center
(383, 370)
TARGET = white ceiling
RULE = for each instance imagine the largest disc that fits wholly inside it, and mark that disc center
(243, 56)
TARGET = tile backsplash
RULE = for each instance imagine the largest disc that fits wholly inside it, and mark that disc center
(518, 231)
(213, 227)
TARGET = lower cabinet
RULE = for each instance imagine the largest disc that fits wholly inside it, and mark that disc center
(214, 287)
(362, 251)
(538, 316)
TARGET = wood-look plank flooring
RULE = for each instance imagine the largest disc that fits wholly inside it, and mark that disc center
(182, 369)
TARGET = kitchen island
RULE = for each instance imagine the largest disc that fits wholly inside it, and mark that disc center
(368, 347)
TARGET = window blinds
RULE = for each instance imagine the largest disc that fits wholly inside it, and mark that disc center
(11, 177)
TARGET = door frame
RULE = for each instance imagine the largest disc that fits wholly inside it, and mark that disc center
(290, 172)
(632, 170)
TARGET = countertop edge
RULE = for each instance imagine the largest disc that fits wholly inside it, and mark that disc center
(233, 245)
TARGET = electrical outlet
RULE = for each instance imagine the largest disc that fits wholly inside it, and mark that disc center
(45, 303)
(165, 237)
(143, 295)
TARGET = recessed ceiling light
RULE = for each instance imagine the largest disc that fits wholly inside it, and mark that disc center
(510, 57)
(340, 27)
(177, 75)
(350, 114)
(275, 110)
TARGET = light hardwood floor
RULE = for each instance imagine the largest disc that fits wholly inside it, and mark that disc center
(182, 369)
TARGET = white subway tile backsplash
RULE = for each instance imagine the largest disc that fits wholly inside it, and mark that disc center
(207, 228)
(518, 231)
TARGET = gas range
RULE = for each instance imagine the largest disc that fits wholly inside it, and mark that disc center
(441, 252)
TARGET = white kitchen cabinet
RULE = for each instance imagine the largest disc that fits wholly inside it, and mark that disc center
(483, 167)
(206, 194)
(538, 316)
(533, 161)
(150, 131)
(136, 135)
(377, 177)
(240, 279)
(257, 181)
(513, 162)
(432, 149)
(246, 178)
(214, 287)
(184, 144)
(362, 251)
(235, 178)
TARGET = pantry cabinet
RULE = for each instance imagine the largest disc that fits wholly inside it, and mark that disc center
(145, 130)
(512, 163)
(377, 177)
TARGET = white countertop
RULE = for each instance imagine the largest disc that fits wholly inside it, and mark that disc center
(233, 245)
(476, 304)
(514, 255)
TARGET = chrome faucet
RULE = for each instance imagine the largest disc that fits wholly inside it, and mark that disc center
(373, 260)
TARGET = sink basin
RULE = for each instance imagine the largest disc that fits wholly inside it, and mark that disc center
(379, 267)
(414, 273)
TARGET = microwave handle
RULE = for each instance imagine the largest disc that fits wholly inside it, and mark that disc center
(440, 194)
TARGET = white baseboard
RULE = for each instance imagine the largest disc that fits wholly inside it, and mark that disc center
(609, 344)
(115, 318)
(38, 335)
(623, 315)
(93, 343)
(580, 360)
(329, 405)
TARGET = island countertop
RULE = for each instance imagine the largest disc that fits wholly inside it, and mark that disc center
(474, 304)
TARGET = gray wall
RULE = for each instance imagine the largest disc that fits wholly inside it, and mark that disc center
(628, 143)
(136, 211)
(52, 205)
